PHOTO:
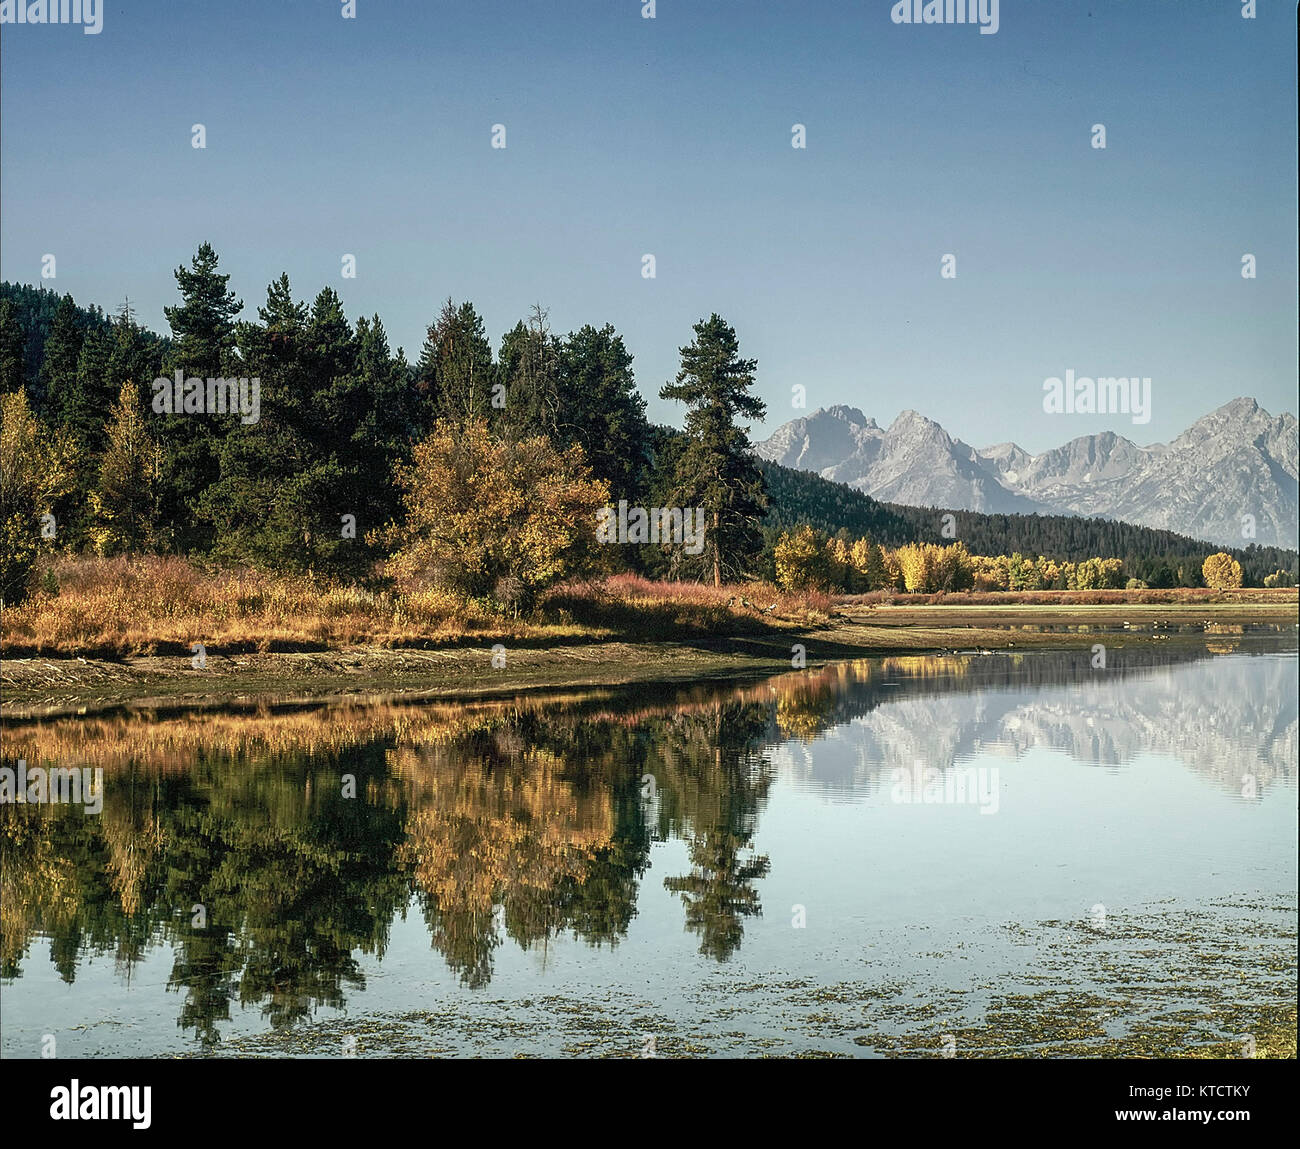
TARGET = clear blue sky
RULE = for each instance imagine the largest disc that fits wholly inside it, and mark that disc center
(672, 136)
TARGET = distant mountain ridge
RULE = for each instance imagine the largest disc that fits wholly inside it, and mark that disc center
(1238, 460)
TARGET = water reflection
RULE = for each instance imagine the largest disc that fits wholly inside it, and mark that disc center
(271, 847)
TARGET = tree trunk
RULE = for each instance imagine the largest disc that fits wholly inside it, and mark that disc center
(717, 554)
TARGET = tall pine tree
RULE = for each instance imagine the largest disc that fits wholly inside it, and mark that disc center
(13, 350)
(716, 469)
(528, 369)
(602, 411)
(455, 372)
(203, 333)
(58, 371)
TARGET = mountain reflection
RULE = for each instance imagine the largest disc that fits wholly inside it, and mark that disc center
(270, 847)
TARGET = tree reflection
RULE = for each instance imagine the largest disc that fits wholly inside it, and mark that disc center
(504, 823)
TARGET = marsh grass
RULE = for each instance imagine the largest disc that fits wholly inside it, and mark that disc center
(124, 607)
(121, 607)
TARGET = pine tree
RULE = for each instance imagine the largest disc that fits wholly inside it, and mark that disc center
(602, 410)
(717, 470)
(203, 330)
(299, 489)
(254, 515)
(58, 371)
(203, 324)
(13, 350)
(83, 402)
(385, 433)
(455, 371)
(135, 358)
(529, 370)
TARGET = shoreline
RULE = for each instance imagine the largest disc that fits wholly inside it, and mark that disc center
(47, 686)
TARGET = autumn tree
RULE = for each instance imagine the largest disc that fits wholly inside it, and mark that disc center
(1221, 571)
(487, 517)
(802, 561)
(1099, 574)
(124, 503)
(868, 563)
(917, 563)
(35, 469)
(839, 557)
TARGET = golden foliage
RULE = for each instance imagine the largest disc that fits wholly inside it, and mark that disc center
(482, 512)
(1221, 571)
(35, 469)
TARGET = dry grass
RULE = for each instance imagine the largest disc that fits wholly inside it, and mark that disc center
(119, 607)
(631, 606)
(127, 606)
(123, 607)
(1190, 595)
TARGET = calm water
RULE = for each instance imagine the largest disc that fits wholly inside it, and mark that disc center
(996, 854)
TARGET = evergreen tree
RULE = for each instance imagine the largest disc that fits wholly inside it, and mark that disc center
(83, 402)
(298, 490)
(384, 434)
(203, 324)
(57, 375)
(84, 406)
(13, 350)
(254, 515)
(717, 470)
(135, 358)
(528, 368)
(455, 371)
(203, 332)
(603, 411)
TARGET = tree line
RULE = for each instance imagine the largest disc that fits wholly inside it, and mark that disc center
(518, 448)
(478, 469)
(1158, 558)
(805, 559)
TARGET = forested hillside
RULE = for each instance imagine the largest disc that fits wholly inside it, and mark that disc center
(1156, 557)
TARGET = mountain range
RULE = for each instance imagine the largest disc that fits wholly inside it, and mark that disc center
(1236, 461)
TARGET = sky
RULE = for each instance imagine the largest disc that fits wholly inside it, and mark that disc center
(626, 136)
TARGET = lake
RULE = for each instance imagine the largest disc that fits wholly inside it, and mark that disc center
(966, 855)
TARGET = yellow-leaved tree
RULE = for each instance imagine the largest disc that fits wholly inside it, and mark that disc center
(802, 562)
(124, 504)
(491, 518)
(917, 562)
(1221, 571)
(35, 470)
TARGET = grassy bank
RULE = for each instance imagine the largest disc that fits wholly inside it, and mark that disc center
(123, 608)
(129, 608)
(119, 630)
